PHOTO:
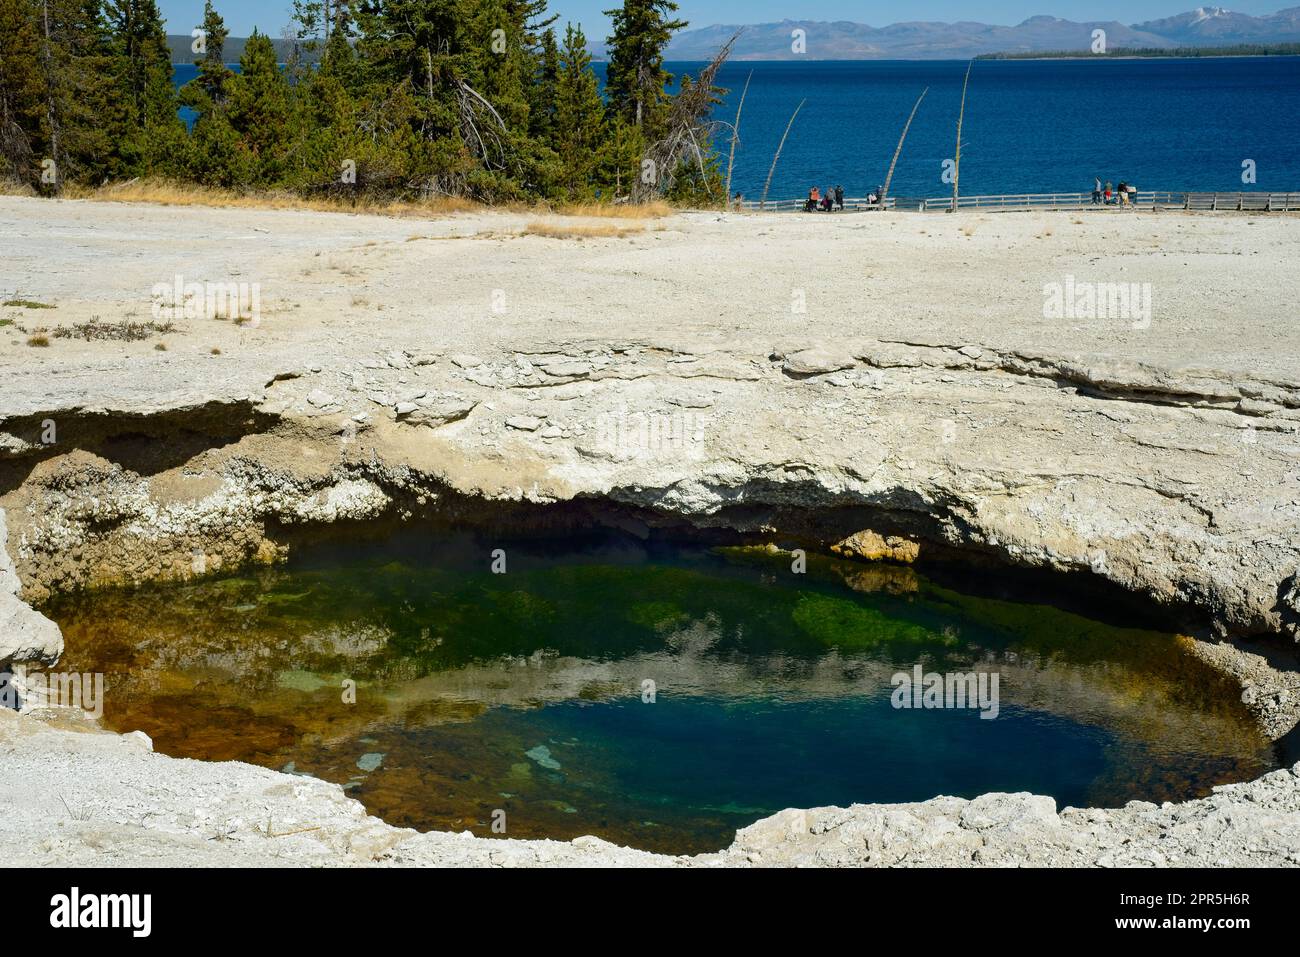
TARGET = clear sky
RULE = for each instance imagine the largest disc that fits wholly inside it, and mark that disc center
(271, 15)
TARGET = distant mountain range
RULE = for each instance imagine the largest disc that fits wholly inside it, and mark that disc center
(842, 40)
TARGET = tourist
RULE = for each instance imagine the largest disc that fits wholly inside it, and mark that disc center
(828, 200)
(1108, 193)
(839, 196)
(814, 197)
(1132, 195)
(1122, 193)
(1096, 191)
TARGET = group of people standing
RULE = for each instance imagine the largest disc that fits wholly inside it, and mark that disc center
(831, 199)
(1125, 194)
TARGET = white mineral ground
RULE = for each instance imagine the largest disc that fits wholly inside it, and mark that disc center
(399, 360)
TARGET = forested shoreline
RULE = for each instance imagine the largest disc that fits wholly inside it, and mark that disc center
(487, 100)
(1119, 53)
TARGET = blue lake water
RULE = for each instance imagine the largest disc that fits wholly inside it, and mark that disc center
(1030, 126)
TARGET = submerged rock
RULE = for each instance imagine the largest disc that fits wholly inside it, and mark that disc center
(542, 755)
(370, 761)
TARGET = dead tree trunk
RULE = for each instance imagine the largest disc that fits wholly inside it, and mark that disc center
(956, 166)
(780, 146)
(51, 92)
(889, 177)
(735, 134)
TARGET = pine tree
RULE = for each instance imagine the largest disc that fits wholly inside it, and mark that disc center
(467, 97)
(260, 112)
(74, 130)
(213, 72)
(154, 141)
(496, 62)
(415, 103)
(620, 157)
(541, 112)
(416, 44)
(21, 87)
(635, 81)
(579, 126)
(329, 118)
(338, 58)
(214, 146)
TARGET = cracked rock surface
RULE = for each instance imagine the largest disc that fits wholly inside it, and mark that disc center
(401, 361)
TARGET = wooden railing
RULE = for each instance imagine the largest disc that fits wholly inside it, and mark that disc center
(1143, 199)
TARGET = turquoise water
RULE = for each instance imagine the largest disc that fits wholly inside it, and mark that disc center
(1031, 126)
(526, 692)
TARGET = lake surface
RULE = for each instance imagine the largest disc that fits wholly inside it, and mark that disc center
(1031, 126)
(526, 692)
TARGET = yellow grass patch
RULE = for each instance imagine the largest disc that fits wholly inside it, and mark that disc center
(580, 230)
(653, 210)
(168, 193)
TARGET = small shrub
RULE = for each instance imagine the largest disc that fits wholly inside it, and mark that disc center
(125, 331)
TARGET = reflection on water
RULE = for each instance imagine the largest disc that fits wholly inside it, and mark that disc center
(524, 691)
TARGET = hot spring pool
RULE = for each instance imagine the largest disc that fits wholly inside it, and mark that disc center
(655, 695)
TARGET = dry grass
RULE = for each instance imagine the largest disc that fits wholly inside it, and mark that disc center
(40, 341)
(168, 193)
(653, 210)
(479, 234)
(580, 230)
(27, 304)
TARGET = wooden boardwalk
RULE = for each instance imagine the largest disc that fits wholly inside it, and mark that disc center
(1145, 199)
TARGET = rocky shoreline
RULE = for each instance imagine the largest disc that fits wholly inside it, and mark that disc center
(1173, 480)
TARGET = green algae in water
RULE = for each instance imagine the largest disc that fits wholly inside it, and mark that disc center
(527, 691)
